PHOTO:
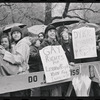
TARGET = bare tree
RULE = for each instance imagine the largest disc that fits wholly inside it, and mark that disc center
(81, 8)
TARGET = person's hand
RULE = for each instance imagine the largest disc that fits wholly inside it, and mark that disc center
(72, 64)
(98, 48)
(2, 50)
(1, 47)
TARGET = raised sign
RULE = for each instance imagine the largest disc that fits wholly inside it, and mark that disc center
(55, 63)
(84, 42)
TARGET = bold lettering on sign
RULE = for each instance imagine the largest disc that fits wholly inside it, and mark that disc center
(30, 79)
(77, 71)
(46, 52)
(35, 78)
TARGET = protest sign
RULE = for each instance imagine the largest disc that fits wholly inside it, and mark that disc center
(55, 63)
(84, 42)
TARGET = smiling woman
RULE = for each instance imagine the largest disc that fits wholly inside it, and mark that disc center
(50, 40)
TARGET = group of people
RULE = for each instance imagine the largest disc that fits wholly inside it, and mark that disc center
(20, 54)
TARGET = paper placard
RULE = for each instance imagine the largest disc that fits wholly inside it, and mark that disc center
(84, 42)
(55, 63)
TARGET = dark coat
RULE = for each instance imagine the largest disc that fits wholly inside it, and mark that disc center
(33, 59)
(68, 48)
(68, 51)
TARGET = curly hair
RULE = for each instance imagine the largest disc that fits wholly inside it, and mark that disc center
(6, 36)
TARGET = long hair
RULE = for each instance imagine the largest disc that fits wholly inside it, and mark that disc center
(60, 30)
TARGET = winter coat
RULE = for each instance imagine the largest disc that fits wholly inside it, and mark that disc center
(21, 56)
(68, 48)
(33, 59)
(46, 42)
(68, 51)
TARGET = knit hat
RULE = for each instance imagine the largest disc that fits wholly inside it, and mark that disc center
(61, 29)
(49, 27)
(16, 28)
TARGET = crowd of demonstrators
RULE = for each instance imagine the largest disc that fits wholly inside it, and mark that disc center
(17, 61)
(20, 55)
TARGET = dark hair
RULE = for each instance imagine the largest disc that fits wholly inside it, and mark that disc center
(61, 29)
(6, 36)
(41, 33)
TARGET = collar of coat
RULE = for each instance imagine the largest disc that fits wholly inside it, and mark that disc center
(25, 40)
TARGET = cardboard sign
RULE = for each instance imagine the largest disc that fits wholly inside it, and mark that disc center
(84, 42)
(55, 63)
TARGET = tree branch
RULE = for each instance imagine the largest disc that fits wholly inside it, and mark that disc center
(94, 11)
(4, 17)
(39, 20)
(77, 17)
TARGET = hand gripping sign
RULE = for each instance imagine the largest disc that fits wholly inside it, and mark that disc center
(84, 42)
(55, 63)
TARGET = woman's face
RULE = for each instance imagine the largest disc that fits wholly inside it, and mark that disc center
(52, 33)
(16, 35)
(65, 34)
(5, 43)
(41, 37)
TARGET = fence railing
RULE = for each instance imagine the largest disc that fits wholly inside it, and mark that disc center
(37, 79)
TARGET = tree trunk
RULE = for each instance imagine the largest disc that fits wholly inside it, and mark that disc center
(47, 13)
(12, 15)
(66, 10)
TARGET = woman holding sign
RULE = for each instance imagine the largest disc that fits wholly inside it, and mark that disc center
(50, 39)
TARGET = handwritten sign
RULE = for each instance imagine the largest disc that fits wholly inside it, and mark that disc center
(55, 63)
(84, 42)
